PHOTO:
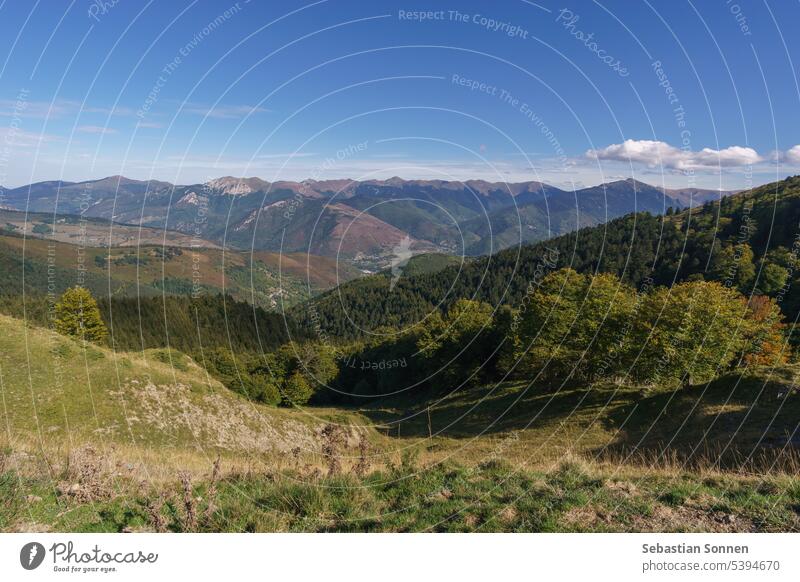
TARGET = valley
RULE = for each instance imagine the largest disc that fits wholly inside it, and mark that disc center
(382, 268)
(597, 381)
(147, 262)
(349, 220)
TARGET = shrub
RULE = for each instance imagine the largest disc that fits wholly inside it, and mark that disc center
(296, 390)
(172, 358)
(264, 390)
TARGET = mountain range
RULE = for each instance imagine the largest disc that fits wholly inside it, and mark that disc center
(359, 221)
(704, 242)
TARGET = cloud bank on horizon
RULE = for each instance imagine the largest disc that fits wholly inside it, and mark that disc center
(656, 161)
(659, 154)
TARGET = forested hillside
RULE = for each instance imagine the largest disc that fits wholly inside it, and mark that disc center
(180, 322)
(745, 241)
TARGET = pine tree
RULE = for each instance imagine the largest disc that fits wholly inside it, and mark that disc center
(77, 315)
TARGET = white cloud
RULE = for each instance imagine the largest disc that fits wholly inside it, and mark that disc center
(96, 129)
(223, 111)
(14, 137)
(58, 108)
(285, 156)
(658, 153)
(792, 155)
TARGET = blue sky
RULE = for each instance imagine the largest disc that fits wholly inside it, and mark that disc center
(571, 93)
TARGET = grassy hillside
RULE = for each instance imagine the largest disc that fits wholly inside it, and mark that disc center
(55, 385)
(56, 392)
(98, 441)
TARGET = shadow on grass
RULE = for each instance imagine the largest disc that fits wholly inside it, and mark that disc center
(741, 420)
(500, 409)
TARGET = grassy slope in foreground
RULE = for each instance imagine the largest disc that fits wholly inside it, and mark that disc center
(55, 389)
(149, 420)
(405, 496)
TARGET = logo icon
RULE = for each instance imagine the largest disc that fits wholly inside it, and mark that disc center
(31, 555)
(402, 253)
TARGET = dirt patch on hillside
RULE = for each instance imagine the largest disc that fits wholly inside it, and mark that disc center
(663, 518)
(211, 420)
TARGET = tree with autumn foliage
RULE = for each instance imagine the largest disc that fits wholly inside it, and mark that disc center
(574, 324)
(765, 342)
(595, 326)
(687, 333)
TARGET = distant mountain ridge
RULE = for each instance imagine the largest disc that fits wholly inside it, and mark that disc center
(703, 242)
(360, 221)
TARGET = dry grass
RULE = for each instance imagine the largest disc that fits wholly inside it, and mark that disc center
(86, 476)
(707, 461)
(363, 465)
(577, 494)
(155, 514)
(211, 494)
